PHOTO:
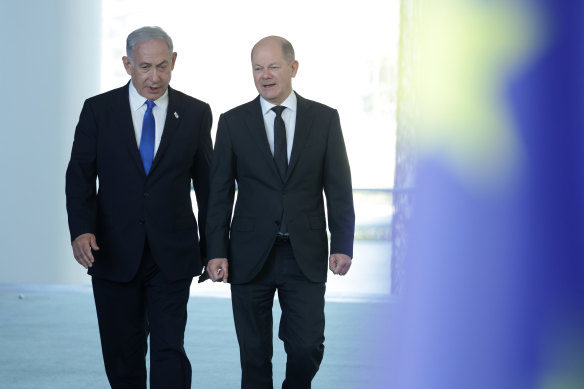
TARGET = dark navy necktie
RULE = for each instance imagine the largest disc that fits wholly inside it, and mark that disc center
(280, 153)
(147, 138)
(280, 148)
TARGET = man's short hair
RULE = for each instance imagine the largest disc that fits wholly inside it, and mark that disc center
(288, 50)
(145, 34)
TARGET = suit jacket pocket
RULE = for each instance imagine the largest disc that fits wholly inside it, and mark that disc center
(242, 224)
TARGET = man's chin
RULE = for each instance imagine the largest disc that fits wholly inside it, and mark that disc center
(271, 97)
(153, 94)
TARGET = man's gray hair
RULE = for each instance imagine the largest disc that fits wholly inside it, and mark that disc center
(145, 34)
(288, 51)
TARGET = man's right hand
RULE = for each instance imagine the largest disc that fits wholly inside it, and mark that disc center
(82, 246)
(217, 269)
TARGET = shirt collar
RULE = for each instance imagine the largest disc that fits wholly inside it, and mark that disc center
(137, 100)
(289, 103)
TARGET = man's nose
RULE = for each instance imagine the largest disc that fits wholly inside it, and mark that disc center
(155, 75)
(266, 73)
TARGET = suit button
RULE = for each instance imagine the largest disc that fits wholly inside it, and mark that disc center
(146, 194)
(283, 191)
(142, 221)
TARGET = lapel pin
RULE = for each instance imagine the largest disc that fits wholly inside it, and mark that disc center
(176, 115)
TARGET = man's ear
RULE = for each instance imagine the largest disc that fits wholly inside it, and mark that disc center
(294, 65)
(172, 61)
(127, 64)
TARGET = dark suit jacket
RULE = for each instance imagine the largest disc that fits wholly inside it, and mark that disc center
(128, 206)
(318, 162)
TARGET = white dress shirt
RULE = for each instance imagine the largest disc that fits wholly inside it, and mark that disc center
(138, 108)
(289, 117)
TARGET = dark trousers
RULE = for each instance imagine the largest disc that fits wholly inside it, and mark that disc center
(301, 324)
(128, 312)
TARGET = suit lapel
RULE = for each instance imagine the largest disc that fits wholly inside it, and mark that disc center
(304, 118)
(123, 118)
(171, 124)
(257, 130)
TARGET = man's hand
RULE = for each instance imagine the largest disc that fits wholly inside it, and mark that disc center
(217, 269)
(82, 246)
(339, 264)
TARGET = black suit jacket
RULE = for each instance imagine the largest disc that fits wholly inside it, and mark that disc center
(318, 163)
(128, 207)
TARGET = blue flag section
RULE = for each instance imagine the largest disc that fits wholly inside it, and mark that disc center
(494, 288)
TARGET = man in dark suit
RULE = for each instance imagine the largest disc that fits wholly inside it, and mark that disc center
(283, 151)
(137, 233)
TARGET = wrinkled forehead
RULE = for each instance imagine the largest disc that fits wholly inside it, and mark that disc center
(152, 45)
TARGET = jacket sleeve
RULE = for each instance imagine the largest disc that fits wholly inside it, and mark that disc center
(200, 174)
(221, 193)
(80, 180)
(339, 191)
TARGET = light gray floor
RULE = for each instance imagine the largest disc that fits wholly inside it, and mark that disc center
(49, 339)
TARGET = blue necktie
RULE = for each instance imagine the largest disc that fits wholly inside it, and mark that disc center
(147, 138)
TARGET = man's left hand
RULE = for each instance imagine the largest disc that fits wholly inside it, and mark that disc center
(339, 264)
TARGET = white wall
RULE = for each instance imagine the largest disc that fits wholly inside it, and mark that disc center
(49, 65)
(54, 52)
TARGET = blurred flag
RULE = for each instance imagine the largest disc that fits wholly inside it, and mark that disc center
(494, 289)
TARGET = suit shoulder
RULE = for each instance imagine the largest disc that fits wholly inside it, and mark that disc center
(243, 109)
(315, 105)
(109, 95)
